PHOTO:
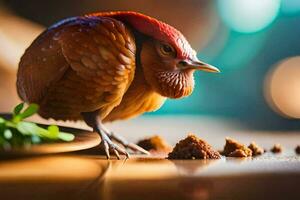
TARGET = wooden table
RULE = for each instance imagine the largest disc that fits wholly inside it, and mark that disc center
(86, 175)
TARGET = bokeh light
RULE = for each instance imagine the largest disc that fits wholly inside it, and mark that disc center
(282, 88)
(248, 16)
(241, 49)
(290, 6)
(229, 43)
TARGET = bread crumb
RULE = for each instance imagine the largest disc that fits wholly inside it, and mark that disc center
(193, 147)
(277, 148)
(238, 153)
(155, 144)
(256, 150)
(233, 148)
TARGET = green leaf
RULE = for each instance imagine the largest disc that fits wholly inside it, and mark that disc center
(8, 134)
(2, 121)
(66, 136)
(15, 132)
(53, 131)
(27, 128)
(10, 124)
(16, 119)
(2, 125)
(42, 132)
(29, 111)
(18, 109)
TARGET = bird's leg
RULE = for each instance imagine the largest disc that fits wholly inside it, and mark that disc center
(124, 142)
(93, 120)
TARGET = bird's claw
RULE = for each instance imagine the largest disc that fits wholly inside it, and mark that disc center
(126, 144)
(93, 120)
(107, 137)
(109, 146)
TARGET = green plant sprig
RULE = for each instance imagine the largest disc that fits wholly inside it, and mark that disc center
(18, 133)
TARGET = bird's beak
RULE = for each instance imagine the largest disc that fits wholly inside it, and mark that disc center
(199, 65)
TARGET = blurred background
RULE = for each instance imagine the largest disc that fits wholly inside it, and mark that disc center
(255, 43)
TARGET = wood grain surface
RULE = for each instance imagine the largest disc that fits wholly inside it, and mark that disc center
(77, 176)
(88, 175)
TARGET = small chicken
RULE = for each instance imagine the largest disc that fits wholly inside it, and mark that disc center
(107, 66)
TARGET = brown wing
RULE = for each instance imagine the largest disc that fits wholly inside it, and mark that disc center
(97, 66)
(41, 65)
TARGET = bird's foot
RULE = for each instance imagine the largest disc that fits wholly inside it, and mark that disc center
(127, 144)
(109, 146)
(124, 142)
(92, 119)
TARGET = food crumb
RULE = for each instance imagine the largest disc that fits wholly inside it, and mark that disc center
(233, 148)
(277, 148)
(193, 147)
(297, 149)
(256, 150)
(155, 144)
(238, 153)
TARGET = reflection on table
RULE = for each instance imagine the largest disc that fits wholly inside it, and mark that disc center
(82, 176)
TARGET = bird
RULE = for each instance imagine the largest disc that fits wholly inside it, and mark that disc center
(107, 66)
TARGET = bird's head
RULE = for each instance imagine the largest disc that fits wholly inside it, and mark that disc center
(168, 60)
(169, 66)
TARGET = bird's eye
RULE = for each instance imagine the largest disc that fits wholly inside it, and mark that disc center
(167, 50)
